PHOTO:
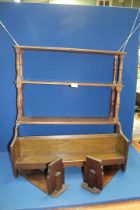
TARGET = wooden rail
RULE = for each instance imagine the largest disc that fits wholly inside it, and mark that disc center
(69, 50)
(67, 120)
(70, 83)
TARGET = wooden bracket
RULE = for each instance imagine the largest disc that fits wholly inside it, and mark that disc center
(55, 178)
(93, 175)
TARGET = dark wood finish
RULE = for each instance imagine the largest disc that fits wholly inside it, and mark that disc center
(113, 92)
(19, 84)
(55, 178)
(118, 89)
(29, 153)
(15, 151)
(109, 172)
(38, 177)
(93, 175)
(35, 152)
(70, 50)
(66, 120)
(138, 97)
(117, 105)
(122, 147)
(121, 57)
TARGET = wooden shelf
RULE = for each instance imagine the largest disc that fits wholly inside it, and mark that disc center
(69, 50)
(38, 161)
(70, 83)
(36, 151)
(66, 120)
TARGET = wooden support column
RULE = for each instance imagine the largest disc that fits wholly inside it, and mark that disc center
(117, 107)
(93, 175)
(121, 68)
(19, 82)
(112, 104)
(118, 89)
(55, 178)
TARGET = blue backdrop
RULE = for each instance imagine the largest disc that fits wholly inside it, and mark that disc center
(65, 26)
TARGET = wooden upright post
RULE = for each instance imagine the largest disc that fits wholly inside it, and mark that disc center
(112, 104)
(118, 89)
(121, 68)
(18, 83)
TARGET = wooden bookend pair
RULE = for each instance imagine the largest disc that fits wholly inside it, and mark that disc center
(55, 178)
(93, 175)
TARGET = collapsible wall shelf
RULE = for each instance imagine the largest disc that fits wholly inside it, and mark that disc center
(35, 152)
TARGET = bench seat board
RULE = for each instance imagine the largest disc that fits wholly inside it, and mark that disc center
(40, 161)
(36, 152)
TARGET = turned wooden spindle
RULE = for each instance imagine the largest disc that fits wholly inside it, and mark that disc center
(118, 89)
(121, 68)
(19, 82)
(117, 103)
(112, 102)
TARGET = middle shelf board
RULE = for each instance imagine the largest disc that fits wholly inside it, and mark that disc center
(67, 120)
(70, 83)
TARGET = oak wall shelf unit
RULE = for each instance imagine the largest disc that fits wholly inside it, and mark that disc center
(35, 152)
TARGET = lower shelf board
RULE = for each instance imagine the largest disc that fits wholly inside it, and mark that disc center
(38, 177)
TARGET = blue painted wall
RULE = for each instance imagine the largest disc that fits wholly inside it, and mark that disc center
(66, 26)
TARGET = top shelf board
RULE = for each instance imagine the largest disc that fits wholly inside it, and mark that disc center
(69, 50)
